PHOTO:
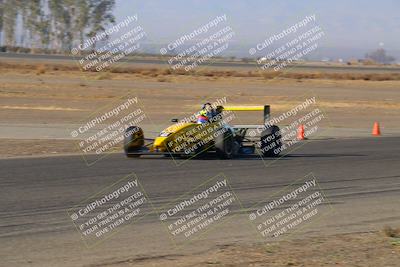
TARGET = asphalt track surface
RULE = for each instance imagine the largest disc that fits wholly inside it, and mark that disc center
(214, 64)
(360, 177)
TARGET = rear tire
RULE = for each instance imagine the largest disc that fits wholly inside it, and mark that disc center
(224, 145)
(271, 143)
(133, 141)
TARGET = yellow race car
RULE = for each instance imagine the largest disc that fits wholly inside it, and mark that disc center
(215, 137)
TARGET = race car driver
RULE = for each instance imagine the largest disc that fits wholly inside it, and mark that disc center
(206, 113)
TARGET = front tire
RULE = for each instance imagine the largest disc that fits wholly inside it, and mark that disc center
(133, 141)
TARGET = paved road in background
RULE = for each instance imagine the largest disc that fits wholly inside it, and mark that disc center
(214, 64)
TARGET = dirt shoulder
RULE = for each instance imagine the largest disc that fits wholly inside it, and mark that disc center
(23, 148)
(357, 249)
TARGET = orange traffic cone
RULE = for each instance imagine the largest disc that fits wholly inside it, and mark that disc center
(300, 132)
(376, 131)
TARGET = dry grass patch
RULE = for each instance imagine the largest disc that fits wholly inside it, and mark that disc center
(391, 232)
(208, 73)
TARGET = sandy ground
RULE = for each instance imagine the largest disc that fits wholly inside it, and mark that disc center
(25, 147)
(361, 249)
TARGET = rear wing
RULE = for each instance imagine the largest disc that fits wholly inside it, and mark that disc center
(265, 108)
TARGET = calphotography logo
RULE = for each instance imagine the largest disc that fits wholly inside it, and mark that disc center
(104, 214)
(101, 51)
(198, 211)
(106, 130)
(199, 46)
(190, 137)
(289, 46)
(298, 204)
(304, 121)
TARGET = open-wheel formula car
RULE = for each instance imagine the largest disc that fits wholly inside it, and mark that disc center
(189, 139)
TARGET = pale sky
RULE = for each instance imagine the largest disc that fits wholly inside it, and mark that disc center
(355, 24)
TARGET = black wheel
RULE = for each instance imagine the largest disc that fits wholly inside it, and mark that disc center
(271, 143)
(224, 144)
(133, 141)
